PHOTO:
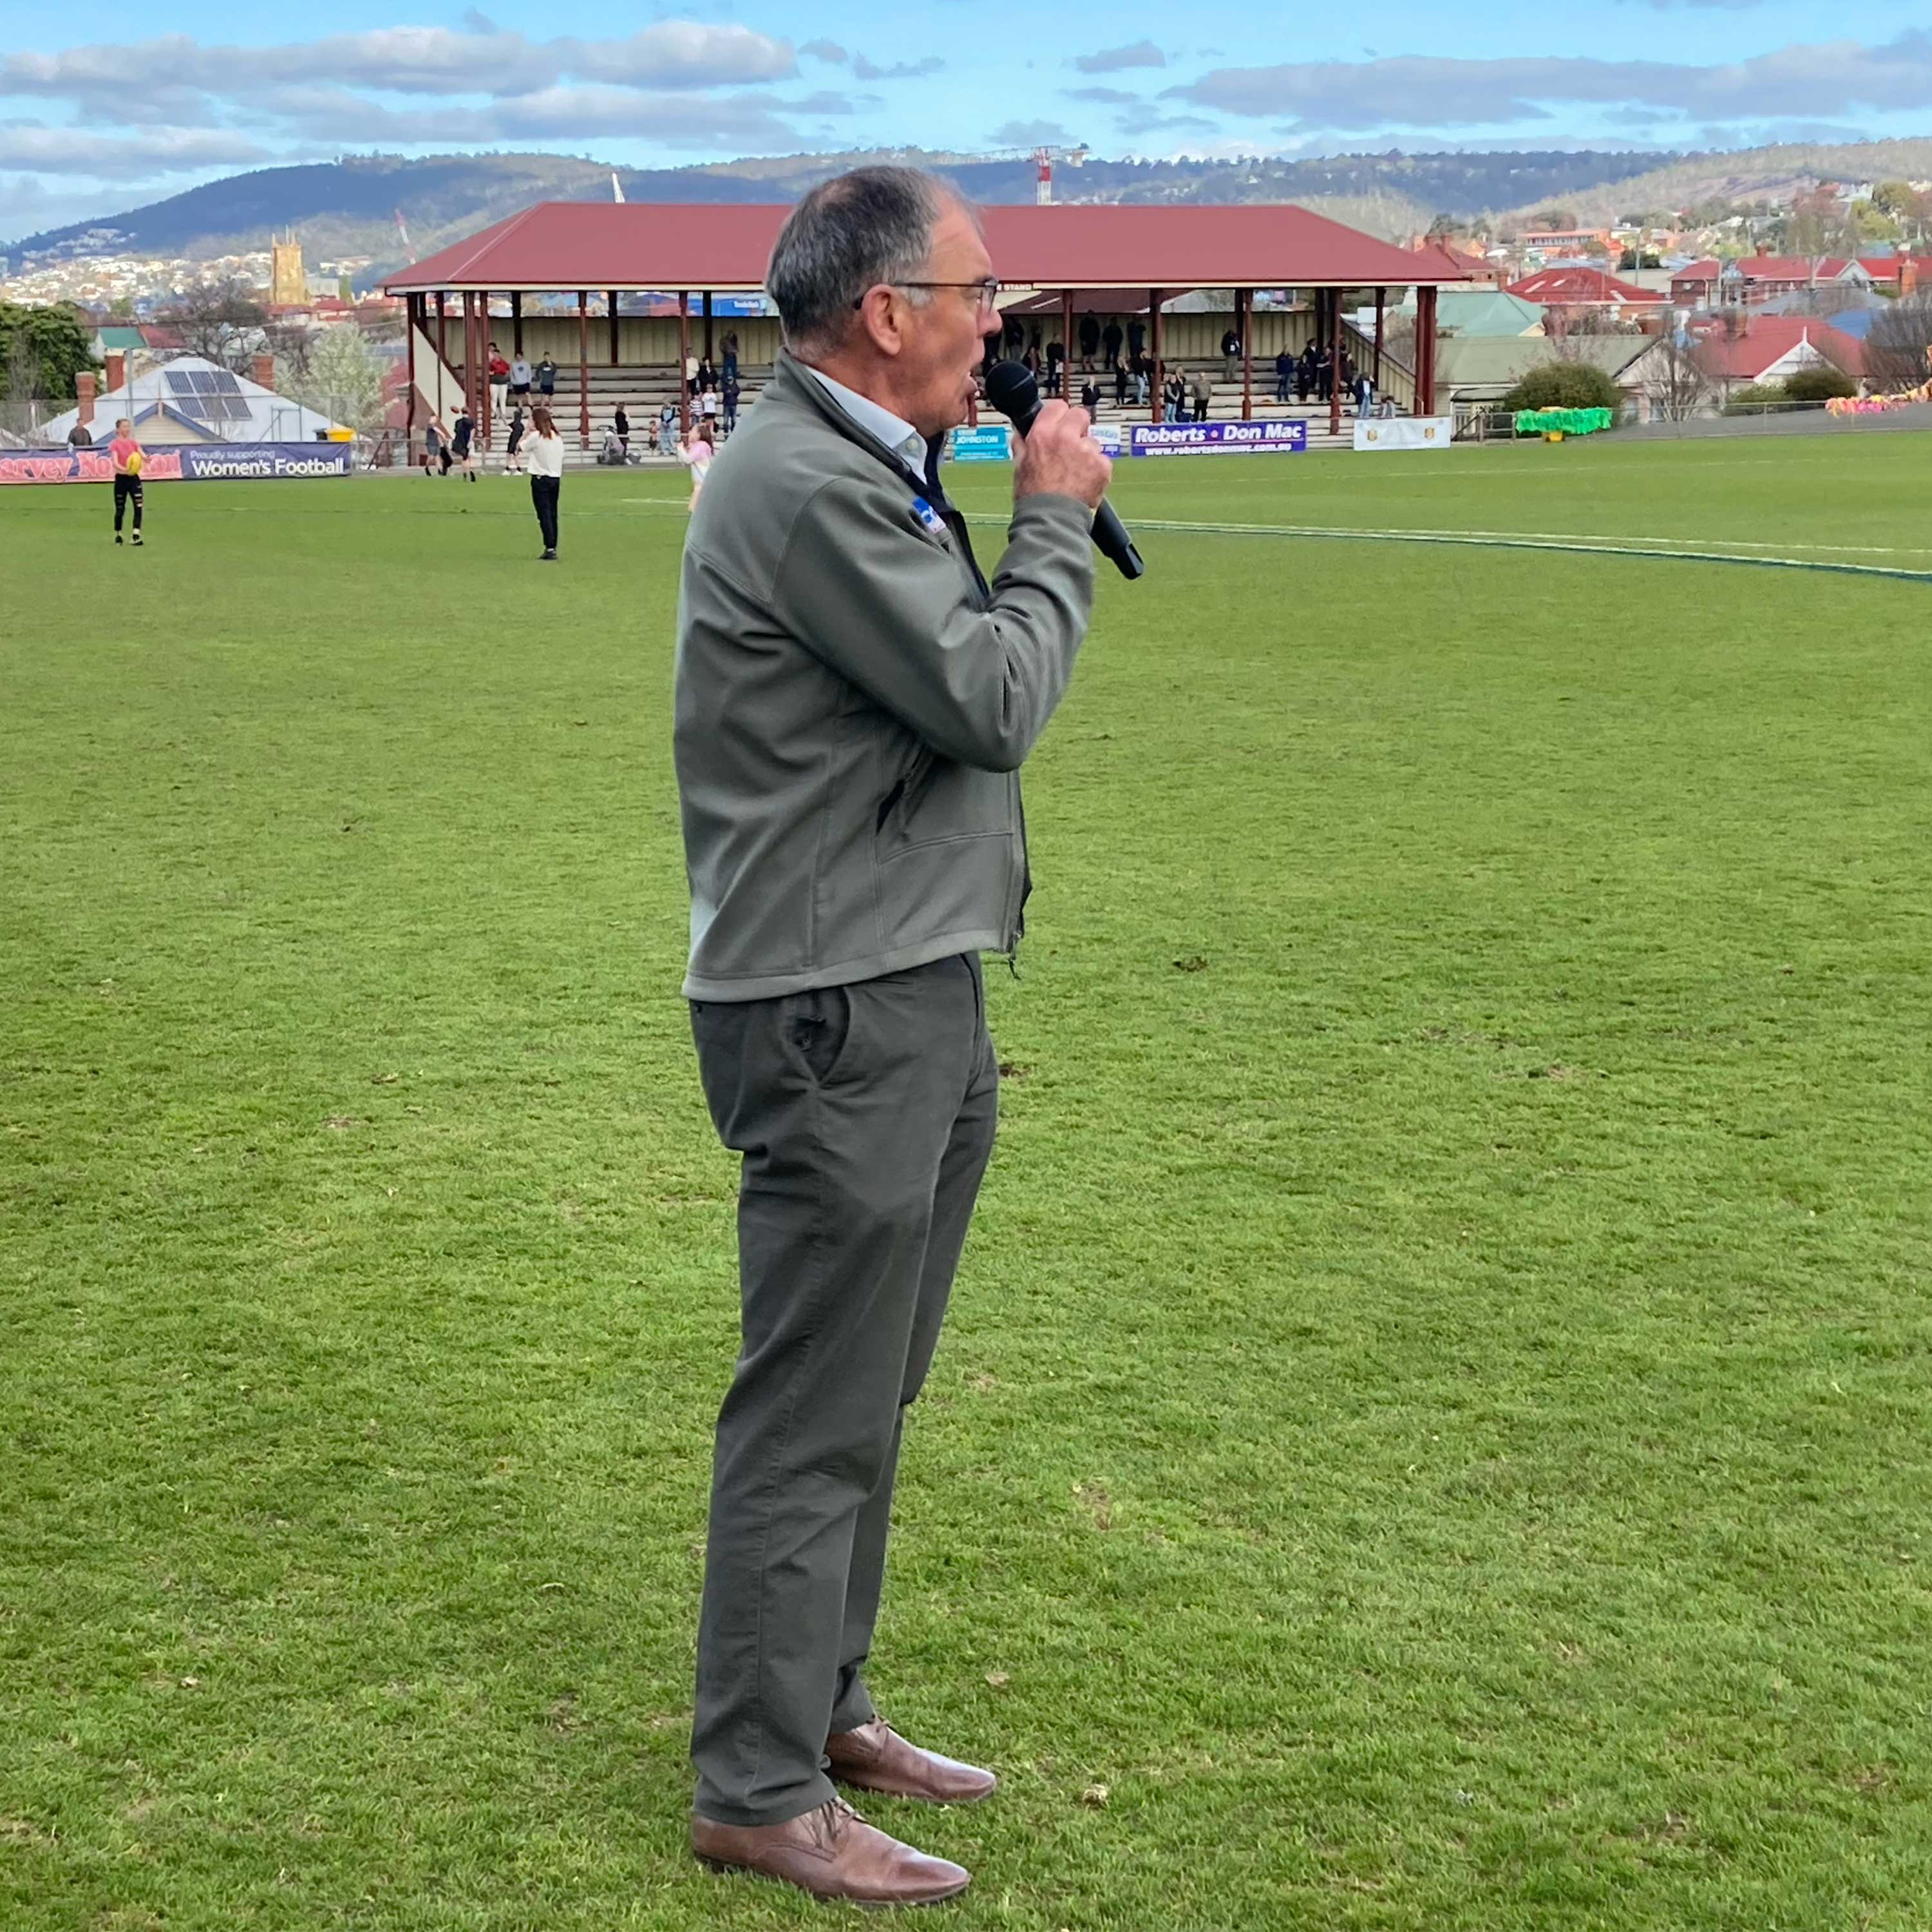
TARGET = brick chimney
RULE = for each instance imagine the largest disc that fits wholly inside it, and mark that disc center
(1908, 275)
(263, 370)
(86, 387)
(117, 370)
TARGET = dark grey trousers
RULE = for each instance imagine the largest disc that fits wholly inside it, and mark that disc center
(865, 1115)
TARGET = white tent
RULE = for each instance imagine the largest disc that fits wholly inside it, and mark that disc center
(189, 399)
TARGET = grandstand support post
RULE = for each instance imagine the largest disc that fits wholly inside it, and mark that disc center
(583, 366)
(1244, 321)
(441, 327)
(1153, 347)
(516, 322)
(1425, 350)
(1381, 334)
(611, 297)
(1334, 362)
(684, 361)
(707, 325)
(470, 401)
(412, 315)
(1065, 336)
(486, 415)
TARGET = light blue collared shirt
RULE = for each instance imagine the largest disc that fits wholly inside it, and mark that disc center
(895, 432)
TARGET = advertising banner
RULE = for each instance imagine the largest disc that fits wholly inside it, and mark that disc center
(1108, 436)
(991, 443)
(1405, 433)
(1217, 439)
(190, 463)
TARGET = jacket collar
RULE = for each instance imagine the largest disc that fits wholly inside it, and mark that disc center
(789, 384)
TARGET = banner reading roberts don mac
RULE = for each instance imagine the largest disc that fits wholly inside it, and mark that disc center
(1217, 439)
(190, 463)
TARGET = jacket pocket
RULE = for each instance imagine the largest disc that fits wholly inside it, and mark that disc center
(818, 1028)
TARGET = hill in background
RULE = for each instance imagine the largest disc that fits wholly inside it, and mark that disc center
(347, 207)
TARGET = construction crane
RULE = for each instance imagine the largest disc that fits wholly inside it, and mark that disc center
(402, 229)
(1043, 158)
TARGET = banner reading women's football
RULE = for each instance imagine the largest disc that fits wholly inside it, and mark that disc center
(189, 463)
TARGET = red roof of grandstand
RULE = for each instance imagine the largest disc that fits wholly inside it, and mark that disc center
(1747, 354)
(1581, 285)
(578, 244)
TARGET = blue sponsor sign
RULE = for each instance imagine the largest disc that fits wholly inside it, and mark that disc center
(185, 462)
(1217, 439)
(992, 442)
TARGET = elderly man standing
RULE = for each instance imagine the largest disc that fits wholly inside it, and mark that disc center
(854, 699)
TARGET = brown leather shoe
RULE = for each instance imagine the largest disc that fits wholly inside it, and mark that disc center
(875, 1758)
(832, 1853)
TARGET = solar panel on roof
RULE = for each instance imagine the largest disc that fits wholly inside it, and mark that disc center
(225, 384)
(204, 383)
(178, 383)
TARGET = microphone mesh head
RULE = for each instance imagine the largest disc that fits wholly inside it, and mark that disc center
(1012, 390)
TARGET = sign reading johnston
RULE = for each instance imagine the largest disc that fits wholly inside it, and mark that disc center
(192, 463)
(1217, 439)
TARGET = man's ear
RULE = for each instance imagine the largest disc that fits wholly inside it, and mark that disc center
(879, 318)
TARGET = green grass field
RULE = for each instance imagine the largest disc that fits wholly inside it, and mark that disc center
(1435, 1430)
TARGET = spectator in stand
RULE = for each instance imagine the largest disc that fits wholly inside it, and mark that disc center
(707, 411)
(667, 430)
(730, 347)
(1365, 395)
(1111, 337)
(1136, 339)
(547, 383)
(1304, 373)
(1347, 369)
(1090, 340)
(1204, 395)
(1143, 380)
(1034, 349)
(707, 376)
(1089, 399)
(543, 451)
(1230, 356)
(728, 394)
(1173, 399)
(1056, 355)
(1324, 373)
(520, 377)
(1120, 383)
(499, 380)
(1284, 376)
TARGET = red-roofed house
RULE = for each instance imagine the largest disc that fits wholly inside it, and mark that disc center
(1757, 278)
(1564, 292)
(1695, 285)
(1900, 273)
(1764, 348)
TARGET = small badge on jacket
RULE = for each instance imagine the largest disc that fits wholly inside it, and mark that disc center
(928, 518)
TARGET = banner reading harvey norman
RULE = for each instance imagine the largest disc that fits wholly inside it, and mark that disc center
(1217, 439)
(190, 463)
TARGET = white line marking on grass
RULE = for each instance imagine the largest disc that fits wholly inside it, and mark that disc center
(1575, 546)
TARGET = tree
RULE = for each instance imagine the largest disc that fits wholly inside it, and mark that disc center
(221, 320)
(343, 382)
(1564, 385)
(1675, 381)
(1555, 219)
(1629, 258)
(1898, 349)
(43, 349)
(1819, 384)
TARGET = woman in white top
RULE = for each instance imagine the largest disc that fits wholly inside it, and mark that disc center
(543, 450)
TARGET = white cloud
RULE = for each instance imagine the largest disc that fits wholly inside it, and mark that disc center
(829, 52)
(156, 151)
(1027, 133)
(916, 70)
(407, 60)
(1111, 60)
(1417, 91)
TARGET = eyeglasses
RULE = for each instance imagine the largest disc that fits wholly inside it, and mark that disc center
(985, 292)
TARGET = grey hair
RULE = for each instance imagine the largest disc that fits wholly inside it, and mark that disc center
(849, 234)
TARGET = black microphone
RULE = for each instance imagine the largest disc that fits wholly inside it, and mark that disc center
(1012, 390)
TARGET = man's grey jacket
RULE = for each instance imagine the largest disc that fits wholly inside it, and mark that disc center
(853, 702)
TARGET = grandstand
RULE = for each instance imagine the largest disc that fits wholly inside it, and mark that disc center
(1278, 276)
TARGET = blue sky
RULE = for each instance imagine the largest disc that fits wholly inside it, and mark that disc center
(89, 125)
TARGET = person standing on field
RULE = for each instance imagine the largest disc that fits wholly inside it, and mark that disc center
(854, 698)
(127, 457)
(542, 451)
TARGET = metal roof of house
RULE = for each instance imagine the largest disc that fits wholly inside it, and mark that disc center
(592, 245)
(1468, 364)
(225, 407)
